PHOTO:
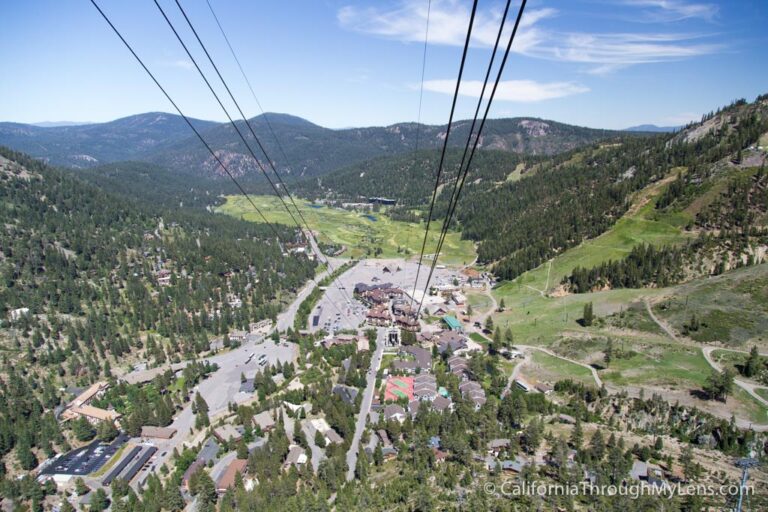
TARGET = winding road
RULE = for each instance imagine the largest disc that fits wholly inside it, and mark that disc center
(749, 387)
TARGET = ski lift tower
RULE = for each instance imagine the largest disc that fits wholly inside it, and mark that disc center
(745, 465)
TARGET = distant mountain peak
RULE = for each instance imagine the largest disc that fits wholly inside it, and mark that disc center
(652, 128)
(286, 119)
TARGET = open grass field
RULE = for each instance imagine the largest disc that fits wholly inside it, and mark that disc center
(731, 308)
(361, 233)
(554, 368)
(539, 315)
(479, 301)
(659, 364)
(751, 408)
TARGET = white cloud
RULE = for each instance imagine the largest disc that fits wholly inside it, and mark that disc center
(607, 52)
(521, 91)
(448, 21)
(602, 52)
(675, 10)
(178, 63)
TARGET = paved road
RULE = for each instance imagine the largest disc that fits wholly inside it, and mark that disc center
(365, 406)
(285, 319)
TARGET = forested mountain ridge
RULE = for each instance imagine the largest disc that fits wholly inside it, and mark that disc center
(725, 206)
(93, 282)
(409, 177)
(521, 224)
(88, 145)
(309, 149)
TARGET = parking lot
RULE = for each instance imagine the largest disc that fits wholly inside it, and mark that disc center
(337, 313)
(85, 460)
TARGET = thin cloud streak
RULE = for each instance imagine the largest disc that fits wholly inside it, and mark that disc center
(675, 10)
(603, 52)
(519, 91)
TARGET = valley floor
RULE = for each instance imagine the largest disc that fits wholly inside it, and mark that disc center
(361, 233)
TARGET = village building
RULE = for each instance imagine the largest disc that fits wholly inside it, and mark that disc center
(80, 406)
(227, 433)
(394, 412)
(157, 432)
(496, 446)
(340, 339)
(296, 457)
(425, 387)
(348, 394)
(450, 341)
(227, 479)
(442, 404)
(407, 323)
(322, 426)
(458, 366)
(191, 470)
(452, 323)
(378, 316)
(472, 391)
(523, 384)
(264, 420)
(209, 451)
(238, 336)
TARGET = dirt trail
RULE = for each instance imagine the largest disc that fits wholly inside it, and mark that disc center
(749, 387)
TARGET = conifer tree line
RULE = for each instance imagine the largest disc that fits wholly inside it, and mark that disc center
(521, 224)
(81, 292)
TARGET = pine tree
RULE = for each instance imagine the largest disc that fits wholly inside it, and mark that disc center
(577, 435)
(608, 353)
(752, 365)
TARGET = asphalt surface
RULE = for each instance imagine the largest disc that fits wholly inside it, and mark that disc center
(365, 406)
(337, 313)
(85, 460)
(223, 386)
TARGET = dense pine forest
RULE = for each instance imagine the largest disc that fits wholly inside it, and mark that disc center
(87, 274)
(408, 178)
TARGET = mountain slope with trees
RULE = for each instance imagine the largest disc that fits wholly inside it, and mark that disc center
(92, 281)
(310, 150)
(87, 145)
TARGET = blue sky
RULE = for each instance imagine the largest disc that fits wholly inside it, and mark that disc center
(342, 63)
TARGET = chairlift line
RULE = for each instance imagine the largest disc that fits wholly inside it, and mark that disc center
(197, 133)
(245, 120)
(445, 142)
(444, 230)
(452, 208)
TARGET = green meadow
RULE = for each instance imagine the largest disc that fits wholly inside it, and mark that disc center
(363, 234)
